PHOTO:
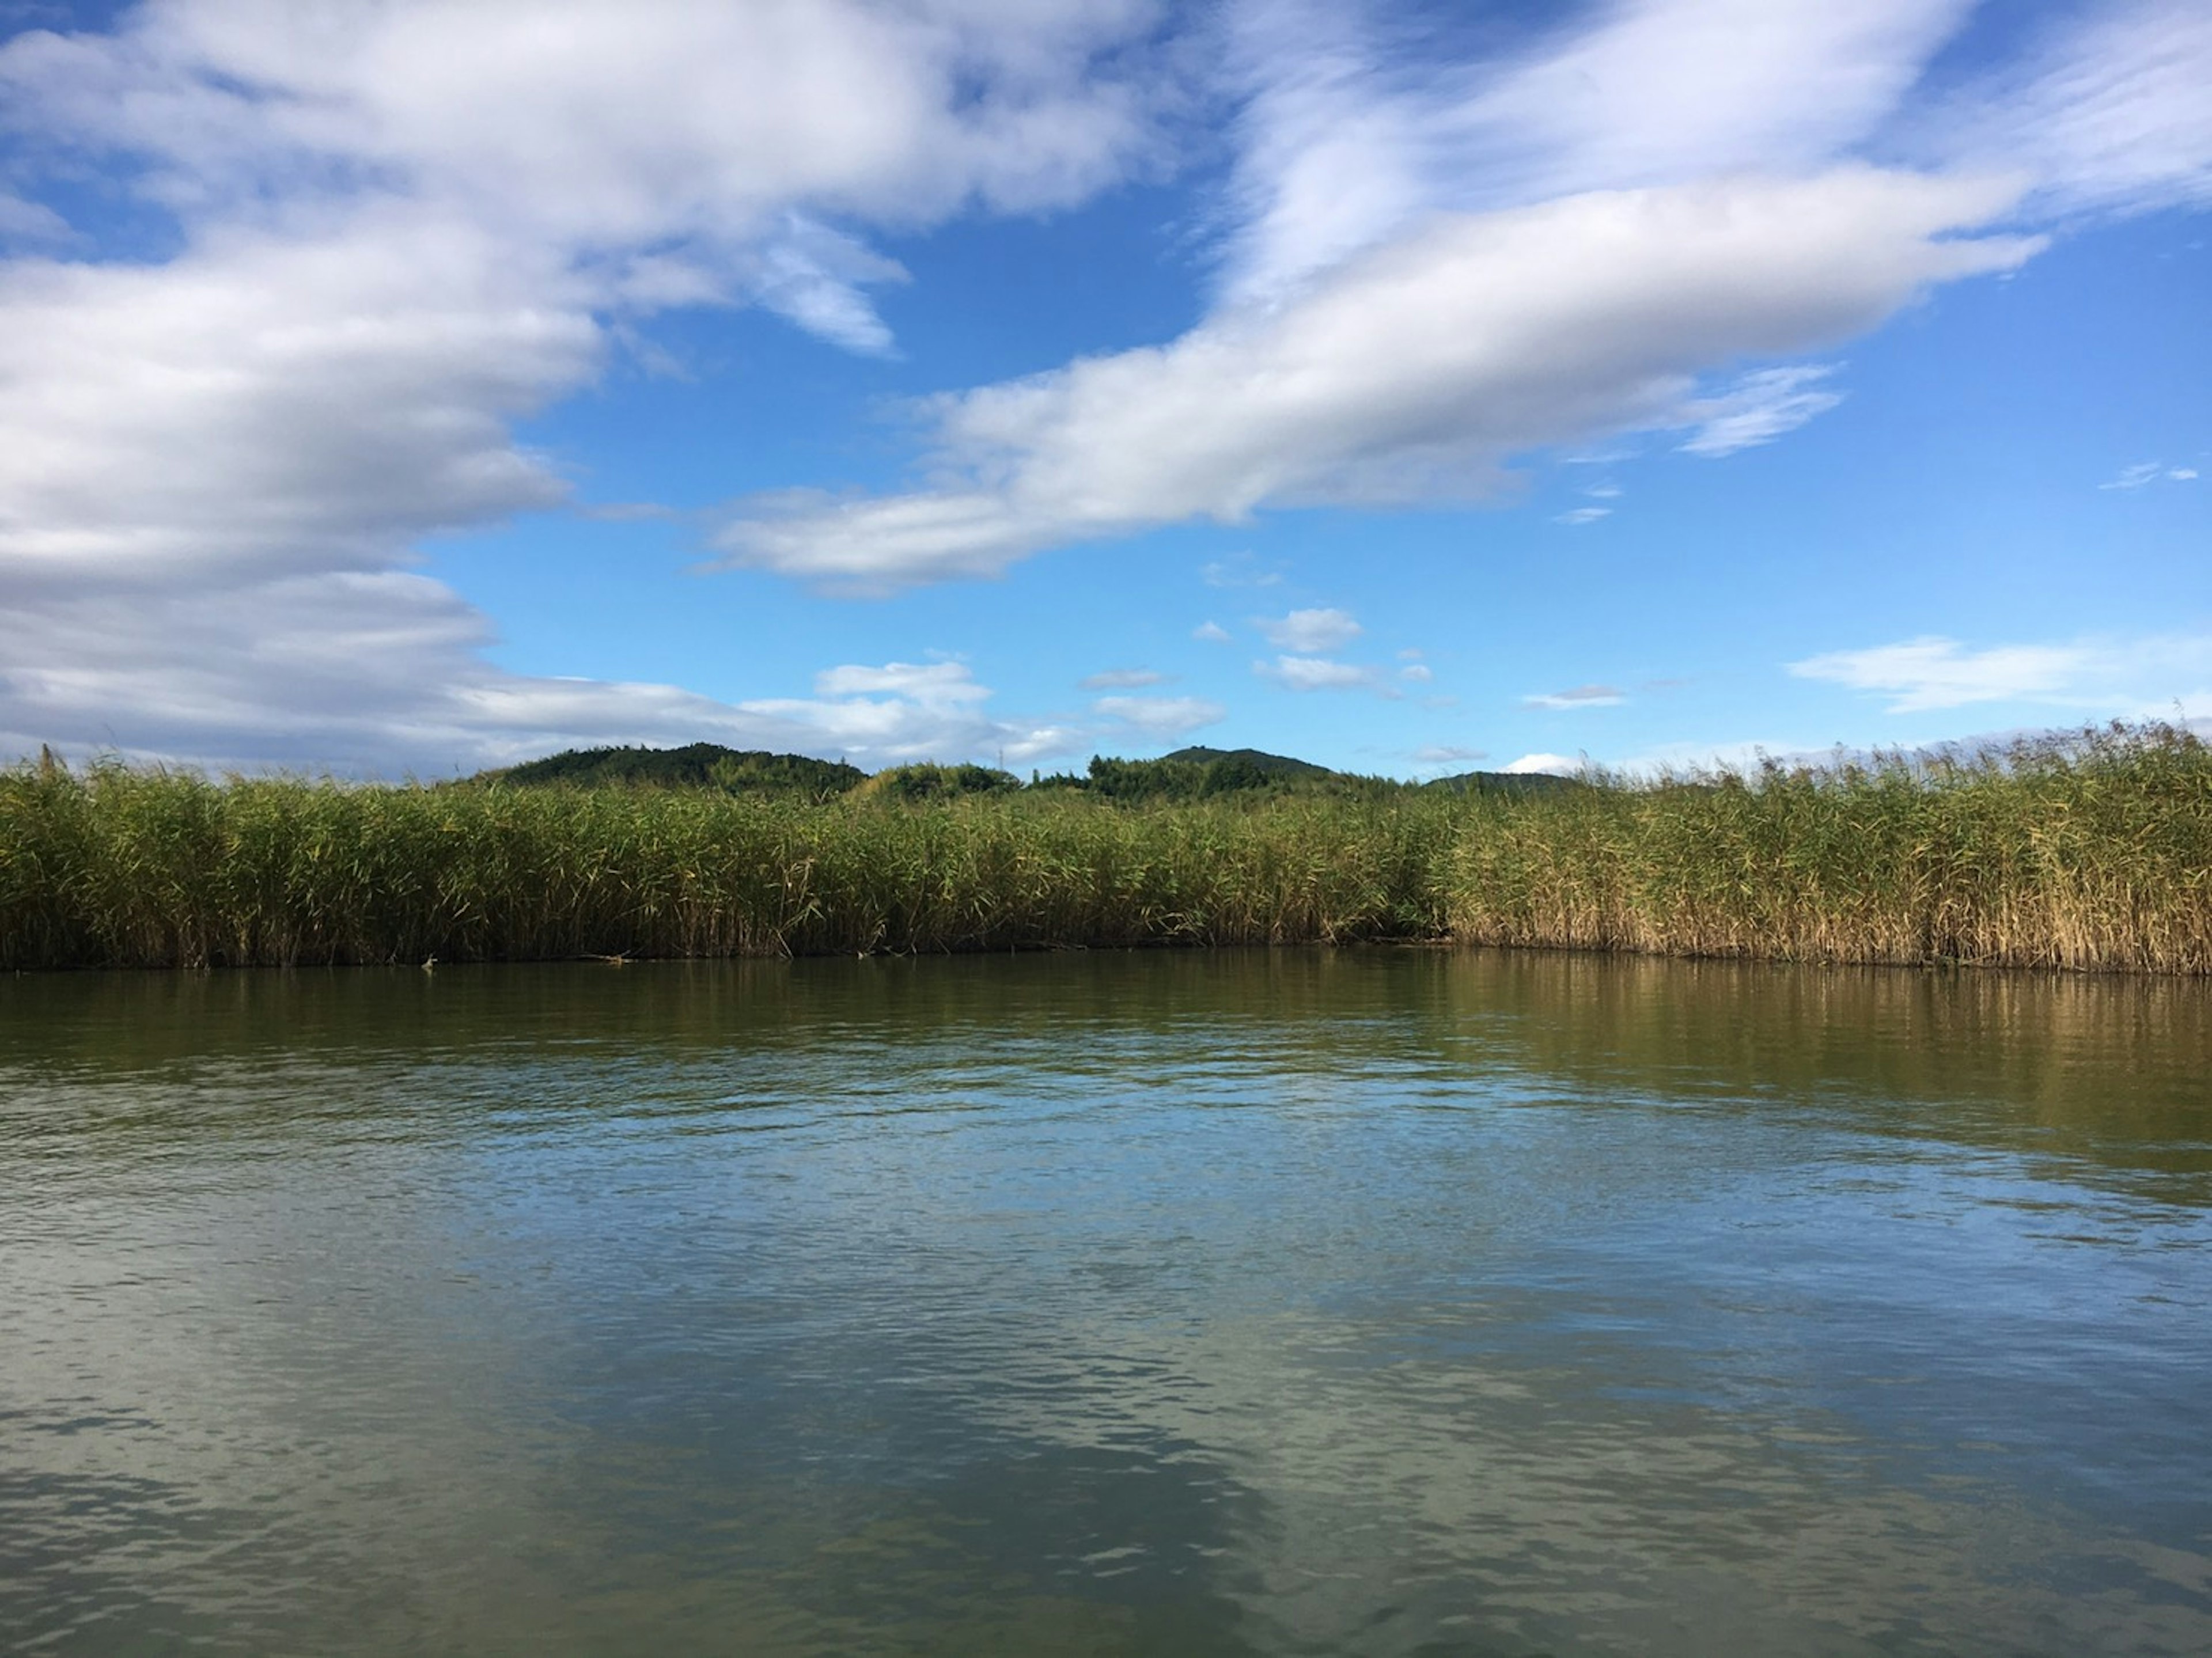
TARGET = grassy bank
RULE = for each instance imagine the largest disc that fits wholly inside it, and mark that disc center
(2094, 853)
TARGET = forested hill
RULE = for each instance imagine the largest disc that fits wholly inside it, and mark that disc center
(1503, 783)
(1254, 760)
(697, 765)
(1187, 774)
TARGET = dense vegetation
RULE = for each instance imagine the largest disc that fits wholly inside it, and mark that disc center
(2092, 853)
(698, 765)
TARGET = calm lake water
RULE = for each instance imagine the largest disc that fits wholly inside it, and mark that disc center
(1388, 1301)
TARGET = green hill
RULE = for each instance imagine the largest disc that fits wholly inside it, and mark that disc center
(697, 765)
(1503, 783)
(1268, 765)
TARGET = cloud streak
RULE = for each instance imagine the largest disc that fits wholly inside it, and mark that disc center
(1582, 697)
(2133, 677)
(1413, 374)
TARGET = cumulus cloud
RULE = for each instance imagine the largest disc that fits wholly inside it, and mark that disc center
(1416, 673)
(1160, 716)
(2132, 677)
(399, 230)
(1211, 633)
(380, 673)
(1309, 631)
(1582, 697)
(1414, 374)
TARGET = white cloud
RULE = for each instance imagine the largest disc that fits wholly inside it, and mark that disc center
(1416, 673)
(2124, 678)
(1759, 408)
(1582, 697)
(25, 221)
(1347, 144)
(1445, 754)
(1239, 570)
(1211, 633)
(1309, 632)
(1161, 716)
(380, 674)
(403, 227)
(612, 127)
(1603, 491)
(1937, 673)
(2150, 472)
(1578, 516)
(1115, 679)
(2108, 113)
(1556, 765)
(1414, 374)
(1314, 673)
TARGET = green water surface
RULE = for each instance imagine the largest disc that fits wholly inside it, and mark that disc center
(1385, 1302)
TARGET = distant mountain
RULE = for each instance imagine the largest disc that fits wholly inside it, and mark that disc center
(697, 765)
(1272, 765)
(1503, 782)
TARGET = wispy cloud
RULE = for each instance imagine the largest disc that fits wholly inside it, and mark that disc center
(1582, 697)
(1211, 633)
(1582, 515)
(1760, 408)
(1416, 673)
(1117, 679)
(1239, 570)
(2148, 472)
(2106, 112)
(1446, 754)
(1309, 632)
(1347, 144)
(1161, 716)
(625, 511)
(1314, 673)
(2117, 677)
(1422, 367)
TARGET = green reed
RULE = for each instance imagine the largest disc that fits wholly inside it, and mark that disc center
(2091, 853)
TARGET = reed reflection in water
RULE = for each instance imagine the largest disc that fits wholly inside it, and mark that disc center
(1389, 1301)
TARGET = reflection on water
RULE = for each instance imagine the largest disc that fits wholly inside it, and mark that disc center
(1392, 1302)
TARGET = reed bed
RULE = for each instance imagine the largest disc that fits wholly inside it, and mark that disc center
(2093, 853)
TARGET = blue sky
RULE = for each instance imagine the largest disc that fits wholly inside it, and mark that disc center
(412, 388)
